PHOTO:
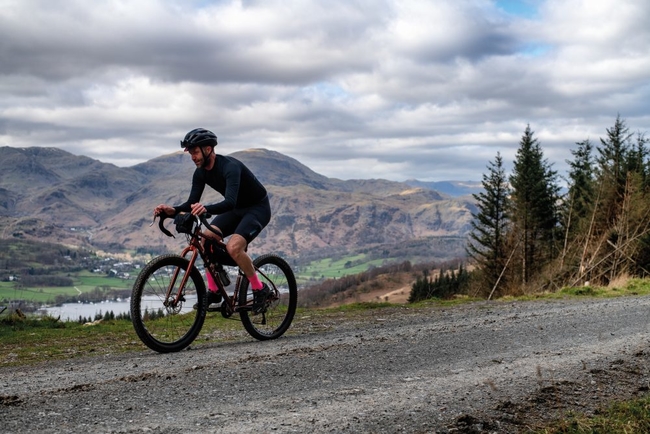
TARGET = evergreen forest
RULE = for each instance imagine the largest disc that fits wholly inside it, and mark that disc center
(530, 235)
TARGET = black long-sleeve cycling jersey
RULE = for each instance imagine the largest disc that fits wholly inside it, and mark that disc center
(230, 177)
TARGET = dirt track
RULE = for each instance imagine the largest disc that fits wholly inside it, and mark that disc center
(484, 367)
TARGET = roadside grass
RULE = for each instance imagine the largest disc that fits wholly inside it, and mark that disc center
(621, 288)
(631, 287)
(362, 306)
(32, 340)
(630, 417)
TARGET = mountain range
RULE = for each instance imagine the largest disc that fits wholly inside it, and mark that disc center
(51, 195)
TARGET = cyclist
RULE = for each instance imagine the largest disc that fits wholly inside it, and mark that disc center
(242, 214)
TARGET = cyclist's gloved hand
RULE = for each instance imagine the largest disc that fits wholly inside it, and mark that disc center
(163, 209)
(198, 209)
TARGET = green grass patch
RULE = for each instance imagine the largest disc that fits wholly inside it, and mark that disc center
(630, 417)
(32, 340)
(630, 287)
(95, 279)
(84, 281)
(362, 306)
(330, 268)
(447, 302)
(590, 291)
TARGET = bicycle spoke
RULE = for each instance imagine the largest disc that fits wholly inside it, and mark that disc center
(163, 323)
(281, 306)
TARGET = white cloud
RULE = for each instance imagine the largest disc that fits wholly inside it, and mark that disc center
(371, 89)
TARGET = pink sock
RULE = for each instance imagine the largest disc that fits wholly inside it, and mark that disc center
(212, 286)
(255, 282)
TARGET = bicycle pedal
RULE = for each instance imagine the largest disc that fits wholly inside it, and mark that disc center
(216, 308)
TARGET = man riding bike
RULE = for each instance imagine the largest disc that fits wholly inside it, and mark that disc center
(243, 213)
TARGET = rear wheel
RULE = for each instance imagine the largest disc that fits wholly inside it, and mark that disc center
(281, 305)
(163, 324)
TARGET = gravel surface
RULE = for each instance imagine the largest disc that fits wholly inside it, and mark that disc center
(482, 367)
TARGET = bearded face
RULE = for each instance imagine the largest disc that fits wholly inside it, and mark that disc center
(200, 155)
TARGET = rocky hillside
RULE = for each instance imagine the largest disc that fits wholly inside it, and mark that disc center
(52, 195)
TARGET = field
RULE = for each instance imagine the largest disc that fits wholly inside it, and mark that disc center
(329, 268)
(84, 282)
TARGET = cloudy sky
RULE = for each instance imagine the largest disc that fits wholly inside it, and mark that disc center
(392, 89)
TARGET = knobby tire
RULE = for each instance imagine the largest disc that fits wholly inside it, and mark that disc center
(277, 274)
(166, 328)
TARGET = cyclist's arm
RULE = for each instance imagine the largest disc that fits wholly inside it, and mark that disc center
(198, 185)
(232, 175)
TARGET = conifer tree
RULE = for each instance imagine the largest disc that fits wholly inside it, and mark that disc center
(613, 162)
(420, 289)
(617, 241)
(638, 158)
(489, 225)
(578, 204)
(580, 197)
(534, 210)
(641, 166)
(445, 285)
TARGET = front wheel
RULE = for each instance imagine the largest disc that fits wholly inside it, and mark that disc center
(164, 320)
(281, 306)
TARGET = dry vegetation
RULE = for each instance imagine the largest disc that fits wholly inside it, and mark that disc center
(386, 284)
(389, 283)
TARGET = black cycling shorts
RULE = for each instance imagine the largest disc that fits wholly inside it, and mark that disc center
(247, 222)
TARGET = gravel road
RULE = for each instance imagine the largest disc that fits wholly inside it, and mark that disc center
(481, 367)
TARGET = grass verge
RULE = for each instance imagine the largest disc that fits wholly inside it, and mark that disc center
(630, 417)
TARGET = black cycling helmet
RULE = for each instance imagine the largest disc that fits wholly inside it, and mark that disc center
(199, 137)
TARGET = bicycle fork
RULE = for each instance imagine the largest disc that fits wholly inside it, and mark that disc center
(179, 297)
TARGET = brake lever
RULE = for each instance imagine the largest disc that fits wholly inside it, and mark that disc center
(162, 228)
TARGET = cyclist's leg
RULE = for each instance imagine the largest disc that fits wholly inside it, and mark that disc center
(253, 220)
(251, 223)
(218, 223)
(225, 223)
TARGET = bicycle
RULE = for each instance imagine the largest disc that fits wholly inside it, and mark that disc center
(169, 301)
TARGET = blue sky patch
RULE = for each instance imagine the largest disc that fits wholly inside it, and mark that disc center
(522, 8)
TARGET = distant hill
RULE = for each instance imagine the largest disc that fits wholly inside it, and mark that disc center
(450, 188)
(51, 195)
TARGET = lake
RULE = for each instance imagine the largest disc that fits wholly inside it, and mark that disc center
(72, 311)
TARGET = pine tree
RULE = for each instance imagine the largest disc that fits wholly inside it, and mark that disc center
(534, 210)
(578, 205)
(637, 159)
(613, 163)
(641, 166)
(489, 225)
(580, 197)
(443, 286)
(616, 241)
(420, 288)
